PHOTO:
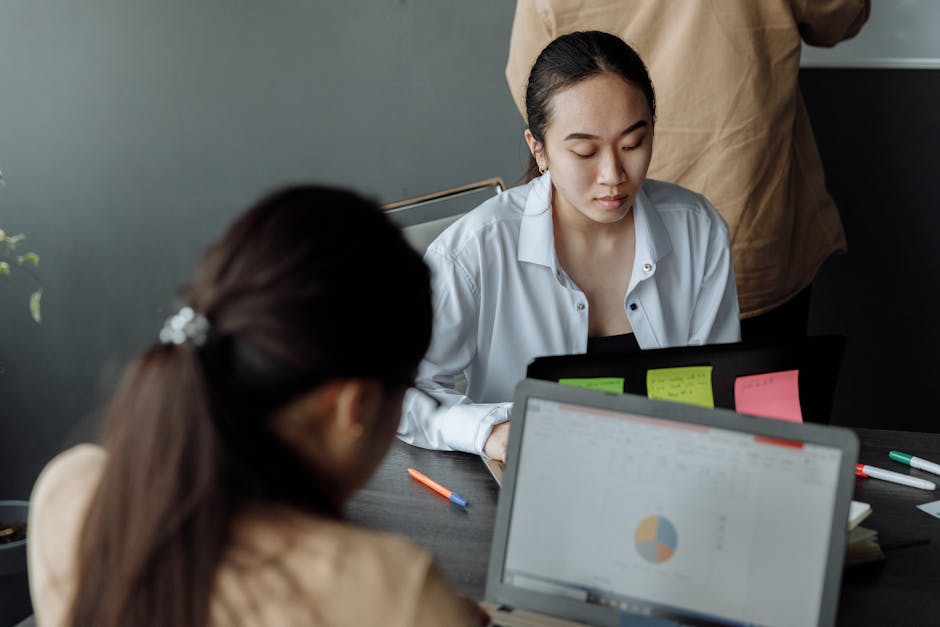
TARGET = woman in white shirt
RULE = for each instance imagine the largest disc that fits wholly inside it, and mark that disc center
(587, 251)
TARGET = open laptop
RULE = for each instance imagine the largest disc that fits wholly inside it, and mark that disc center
(621, 510)
(818, 360)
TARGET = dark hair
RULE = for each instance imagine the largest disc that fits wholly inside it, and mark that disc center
(570, 59)
(310, 284)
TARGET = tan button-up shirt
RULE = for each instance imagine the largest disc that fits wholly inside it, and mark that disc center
(730, 120)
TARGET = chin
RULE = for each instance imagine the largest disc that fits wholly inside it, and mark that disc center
(609, 216)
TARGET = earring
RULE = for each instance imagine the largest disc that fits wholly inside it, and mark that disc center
(542, 169)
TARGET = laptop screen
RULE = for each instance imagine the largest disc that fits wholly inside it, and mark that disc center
(670, 519)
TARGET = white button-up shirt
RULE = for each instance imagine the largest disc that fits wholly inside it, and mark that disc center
(501, 298)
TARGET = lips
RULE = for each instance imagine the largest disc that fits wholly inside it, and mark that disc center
(612, 202)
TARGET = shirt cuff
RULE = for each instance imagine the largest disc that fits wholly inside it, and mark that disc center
(466, 427)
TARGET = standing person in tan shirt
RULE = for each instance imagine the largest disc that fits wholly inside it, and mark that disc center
(732, 125)
(232, 445)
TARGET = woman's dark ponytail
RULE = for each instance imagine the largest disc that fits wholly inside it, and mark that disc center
(158, 492)
(310, 284)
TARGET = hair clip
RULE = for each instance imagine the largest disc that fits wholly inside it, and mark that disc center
(185, 326)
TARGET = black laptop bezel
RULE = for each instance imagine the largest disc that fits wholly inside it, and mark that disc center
(818, 359)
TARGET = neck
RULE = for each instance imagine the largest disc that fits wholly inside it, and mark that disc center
(575, 231)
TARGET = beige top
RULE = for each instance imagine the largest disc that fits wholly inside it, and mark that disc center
(284, 567)
(731, 123)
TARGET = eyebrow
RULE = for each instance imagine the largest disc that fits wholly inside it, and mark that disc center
(627, 131)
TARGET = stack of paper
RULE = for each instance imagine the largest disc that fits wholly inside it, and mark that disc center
(858, 512)
(862, 543)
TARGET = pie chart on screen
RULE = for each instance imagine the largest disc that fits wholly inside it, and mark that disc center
(655, 539)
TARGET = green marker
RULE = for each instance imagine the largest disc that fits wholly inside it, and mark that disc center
(915, 462)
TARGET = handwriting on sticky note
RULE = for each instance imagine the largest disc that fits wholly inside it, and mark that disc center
(604, 384)
(689, 384)
(771, 395)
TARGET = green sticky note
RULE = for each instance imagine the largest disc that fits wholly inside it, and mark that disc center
(604, 384)
(691, 384)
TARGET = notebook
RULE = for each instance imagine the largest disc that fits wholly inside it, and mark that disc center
(817, 359)
(620, 510)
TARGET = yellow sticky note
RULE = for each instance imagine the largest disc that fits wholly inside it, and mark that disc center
(604, 384)
(690, 384)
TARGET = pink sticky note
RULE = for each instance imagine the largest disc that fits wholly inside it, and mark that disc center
(771, 395)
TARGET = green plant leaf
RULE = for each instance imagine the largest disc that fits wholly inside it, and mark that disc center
(4, 268)
(32, 258)
(34, 302)
(13, 240)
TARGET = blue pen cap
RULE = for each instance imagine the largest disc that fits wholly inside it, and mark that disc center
(459, 500)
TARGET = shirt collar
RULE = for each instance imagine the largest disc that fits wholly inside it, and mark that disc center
(652, 238)
(537, 238)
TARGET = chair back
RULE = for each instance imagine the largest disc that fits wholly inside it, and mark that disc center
(423, 218)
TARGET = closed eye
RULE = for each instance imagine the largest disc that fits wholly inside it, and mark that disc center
(634, 146)
(584, 155)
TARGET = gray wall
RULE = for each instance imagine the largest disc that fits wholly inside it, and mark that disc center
(897, 35)
(131, 132)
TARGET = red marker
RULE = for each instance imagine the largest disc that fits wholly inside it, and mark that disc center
(864, 470)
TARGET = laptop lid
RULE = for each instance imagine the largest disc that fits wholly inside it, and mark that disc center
(621, 510)
(818, 360)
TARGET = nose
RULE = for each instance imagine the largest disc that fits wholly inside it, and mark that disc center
(610, 171)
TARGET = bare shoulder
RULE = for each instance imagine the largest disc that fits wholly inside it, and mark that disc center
(56, 511)
(74, 471)
(343, 551)
(289, 566)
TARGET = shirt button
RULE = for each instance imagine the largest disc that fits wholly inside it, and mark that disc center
(632, 306)
(580, 306)
(648, 267)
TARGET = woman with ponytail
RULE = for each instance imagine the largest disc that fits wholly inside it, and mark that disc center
(231, 445)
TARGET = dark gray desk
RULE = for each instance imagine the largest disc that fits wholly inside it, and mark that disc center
(905, 589)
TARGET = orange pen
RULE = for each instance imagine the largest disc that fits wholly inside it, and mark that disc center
(434, 485)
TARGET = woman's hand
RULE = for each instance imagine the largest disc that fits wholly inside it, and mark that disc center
(495, 446)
